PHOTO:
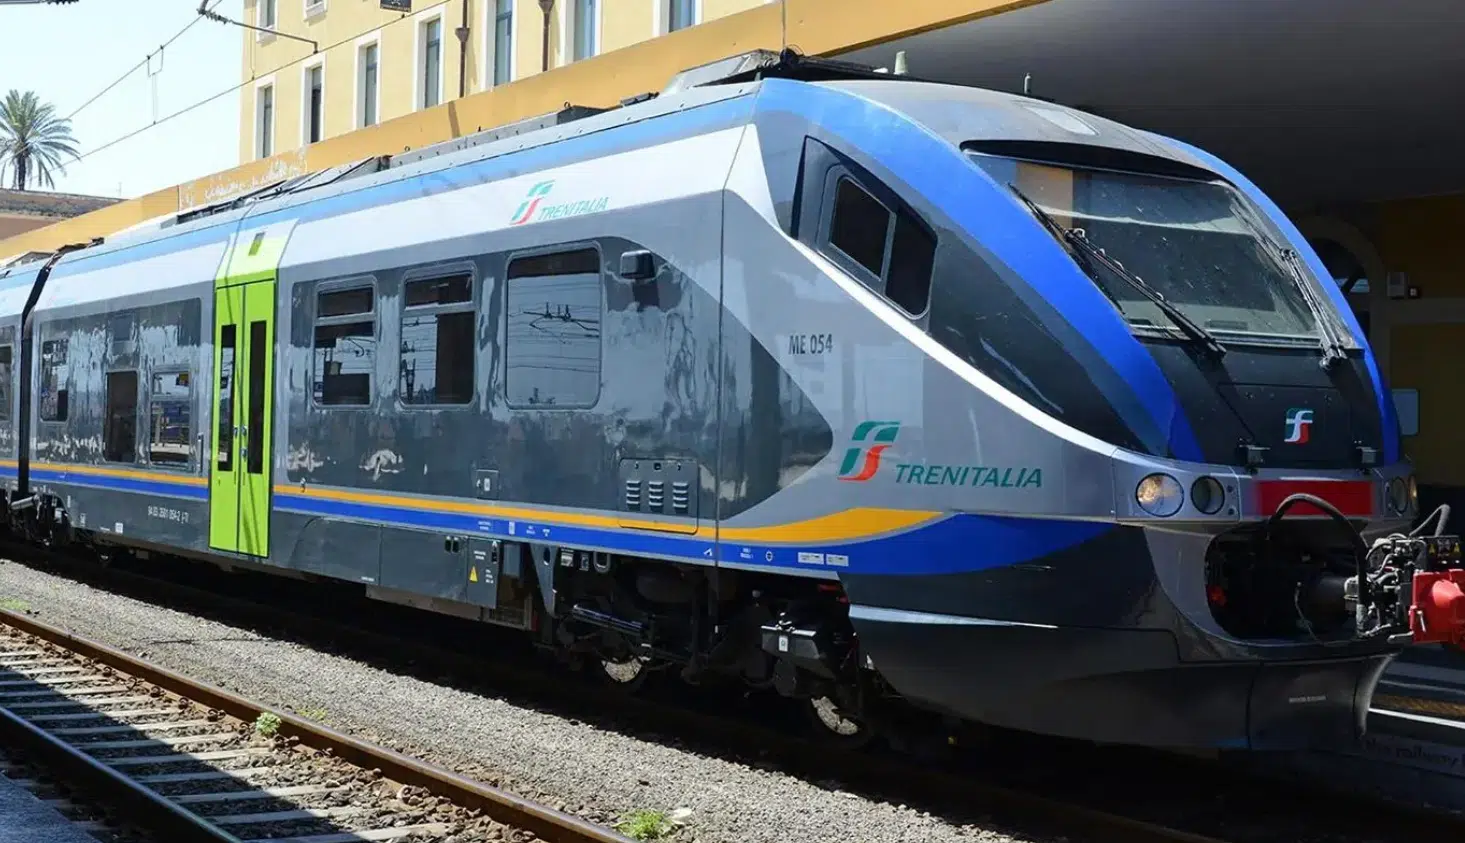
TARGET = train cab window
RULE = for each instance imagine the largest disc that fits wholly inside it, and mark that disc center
(437, 340)
(858, 226)
(119, 428)
(552, 346)
(345, 347)
(54, 405)
(894, 247)
(170, 418)
(7, 372)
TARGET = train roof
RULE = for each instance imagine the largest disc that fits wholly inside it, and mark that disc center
(189, 247)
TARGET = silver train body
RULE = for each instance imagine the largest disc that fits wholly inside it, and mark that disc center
(772, 378)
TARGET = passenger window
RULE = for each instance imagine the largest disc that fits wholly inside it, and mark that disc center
(119, 428)
(895, 247)
(53, 399)
(7, 371)
(859, 226)
(437, 341)
(170, 418)
(553, 336)
(345, 347)
(228, 344)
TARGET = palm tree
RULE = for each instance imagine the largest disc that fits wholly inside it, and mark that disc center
(33, 140)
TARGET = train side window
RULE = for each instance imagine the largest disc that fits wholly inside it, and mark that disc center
(859, 226)
(345, 347)
(54, 405)
(438, 346)
(170, 418)
(912, 256)
(895, 247)
(228, 346)
(552, 347)
(7, 372)
(119, 428)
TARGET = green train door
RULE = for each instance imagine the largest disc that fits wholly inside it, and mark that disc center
(244, 340)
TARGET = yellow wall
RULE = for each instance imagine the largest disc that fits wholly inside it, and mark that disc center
(814, 26)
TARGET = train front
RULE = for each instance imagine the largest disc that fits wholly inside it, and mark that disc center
(1190, 529)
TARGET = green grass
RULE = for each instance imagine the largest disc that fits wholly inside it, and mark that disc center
(267, 724)
(10, 604)
(645, 825)
(315, 713)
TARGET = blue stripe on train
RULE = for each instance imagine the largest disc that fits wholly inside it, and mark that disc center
(946, 546)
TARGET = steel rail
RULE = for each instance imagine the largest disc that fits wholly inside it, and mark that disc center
(504, 807)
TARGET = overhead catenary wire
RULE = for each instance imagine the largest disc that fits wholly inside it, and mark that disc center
(144, 63)
(232, 88)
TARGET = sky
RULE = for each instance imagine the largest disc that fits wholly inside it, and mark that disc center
(69, 53)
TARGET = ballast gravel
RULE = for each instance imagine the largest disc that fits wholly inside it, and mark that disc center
(599, 775)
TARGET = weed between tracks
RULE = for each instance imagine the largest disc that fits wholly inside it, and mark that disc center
(10, 604)
(645, 825)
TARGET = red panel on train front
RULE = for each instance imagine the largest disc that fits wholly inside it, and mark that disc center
(1351, 497)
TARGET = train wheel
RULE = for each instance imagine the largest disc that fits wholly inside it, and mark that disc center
(627, 673)
(834, 724)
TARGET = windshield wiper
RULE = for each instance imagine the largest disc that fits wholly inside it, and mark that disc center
(1078, 239)
(1334, 351)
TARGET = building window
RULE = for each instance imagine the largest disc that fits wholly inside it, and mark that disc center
(366, 108)
(894, 247)
(553, 337)
(680, 14)
(119, 429)
(586, 36)
(345, 347)
(314, 7)
(267, 14)
(170, 418)
(431, 71)
(503, 42)
(54, 392)
(264, 98)
(438, 340)
(315, 83)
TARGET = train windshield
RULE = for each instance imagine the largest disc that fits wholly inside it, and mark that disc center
(1196, 243)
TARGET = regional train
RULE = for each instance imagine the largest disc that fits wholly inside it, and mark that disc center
(881, 394)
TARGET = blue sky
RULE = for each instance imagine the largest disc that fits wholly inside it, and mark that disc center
(66, 54)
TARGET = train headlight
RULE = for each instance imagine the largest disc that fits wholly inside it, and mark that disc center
(1207, 495)
(1413, 495)
(1398, 495)
(1159, 494)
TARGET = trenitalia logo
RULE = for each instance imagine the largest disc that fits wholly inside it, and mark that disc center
(1299, 426)
(881, 434)
(531, 202)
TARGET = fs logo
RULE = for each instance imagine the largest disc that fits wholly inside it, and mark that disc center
(1299, 426)
(531, 202)
(871, 438)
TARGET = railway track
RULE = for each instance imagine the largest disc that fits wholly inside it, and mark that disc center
(187, 761)
(1185, 800)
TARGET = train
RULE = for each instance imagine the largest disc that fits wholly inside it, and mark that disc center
(894, 397)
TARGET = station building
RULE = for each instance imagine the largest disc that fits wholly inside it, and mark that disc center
(1346, 111)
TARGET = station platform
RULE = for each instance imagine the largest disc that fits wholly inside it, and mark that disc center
(26, 819)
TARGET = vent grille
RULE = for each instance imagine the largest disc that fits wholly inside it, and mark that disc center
(679, 497)
(656, 495)
(633, 494)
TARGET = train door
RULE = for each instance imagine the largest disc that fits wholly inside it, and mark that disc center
(239, 490)
(244, 358)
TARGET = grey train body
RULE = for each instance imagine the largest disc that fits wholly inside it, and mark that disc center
(750, 378)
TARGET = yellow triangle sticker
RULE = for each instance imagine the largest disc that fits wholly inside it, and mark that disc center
(473, 574)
